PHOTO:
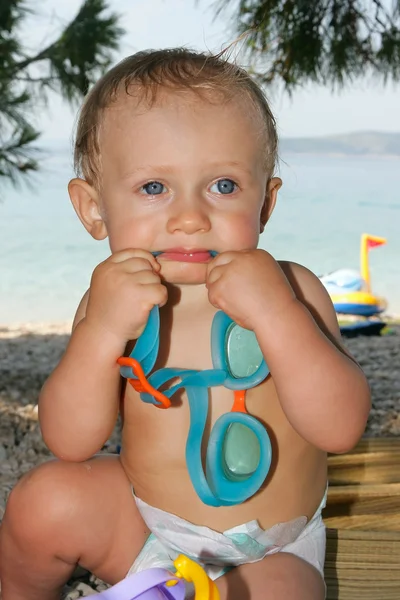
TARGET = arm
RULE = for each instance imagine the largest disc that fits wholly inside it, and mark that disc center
(322, 390)
(79, 403)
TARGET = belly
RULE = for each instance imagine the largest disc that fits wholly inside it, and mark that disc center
(153, 456)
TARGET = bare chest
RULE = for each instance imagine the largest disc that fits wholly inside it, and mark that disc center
(188, 345)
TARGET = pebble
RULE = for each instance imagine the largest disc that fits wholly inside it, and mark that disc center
(85, 589)
(29, 353)
(3, 453)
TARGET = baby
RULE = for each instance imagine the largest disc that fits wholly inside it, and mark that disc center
(176, 154)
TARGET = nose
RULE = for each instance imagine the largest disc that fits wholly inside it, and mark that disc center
(189, 216)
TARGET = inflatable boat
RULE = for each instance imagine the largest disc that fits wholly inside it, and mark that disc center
(350, 291)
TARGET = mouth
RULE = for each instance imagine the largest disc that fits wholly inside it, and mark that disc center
(186, 255)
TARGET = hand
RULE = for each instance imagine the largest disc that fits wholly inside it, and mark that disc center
(249, 286)
(123, 290)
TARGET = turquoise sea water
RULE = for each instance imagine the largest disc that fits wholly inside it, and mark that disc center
(47, 257)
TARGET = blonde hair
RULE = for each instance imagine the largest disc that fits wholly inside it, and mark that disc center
(176, 69)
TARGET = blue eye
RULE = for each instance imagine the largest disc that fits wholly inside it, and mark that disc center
(154, 188)
(224, 186)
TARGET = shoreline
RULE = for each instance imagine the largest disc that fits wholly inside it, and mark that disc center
(27, 327)
(64, 327)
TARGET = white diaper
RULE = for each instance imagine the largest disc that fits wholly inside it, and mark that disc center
(218, 552)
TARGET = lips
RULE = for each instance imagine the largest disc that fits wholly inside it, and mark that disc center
(185, 255)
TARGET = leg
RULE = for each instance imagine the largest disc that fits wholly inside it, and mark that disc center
(279, 576)
(63, 514)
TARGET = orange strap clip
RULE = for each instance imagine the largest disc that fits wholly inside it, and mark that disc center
(239, 404)
(141, 384)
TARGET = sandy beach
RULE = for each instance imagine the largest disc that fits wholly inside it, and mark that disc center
(28, 353)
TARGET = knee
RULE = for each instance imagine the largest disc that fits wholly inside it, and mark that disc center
(43, 500)
(280, 575)
(296, 578)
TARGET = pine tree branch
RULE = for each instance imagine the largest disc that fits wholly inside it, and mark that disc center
(330, 42)
(68, 65)
(69, 55)
(23, 64)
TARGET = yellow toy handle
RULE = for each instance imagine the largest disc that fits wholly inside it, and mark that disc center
(204, 587)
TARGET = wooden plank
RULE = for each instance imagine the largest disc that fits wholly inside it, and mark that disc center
(363, 536)
(363, 506)
(348, 563)
(390, 455)
(351, 493)
(365, 522)
(348, 590)
(363, 551)
(373, 507)
(362, 474)
(373, 461)
(367, 574)
(351, 560)
(363, 519)
(369, 444)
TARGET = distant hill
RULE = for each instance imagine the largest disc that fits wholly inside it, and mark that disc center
(360, 143)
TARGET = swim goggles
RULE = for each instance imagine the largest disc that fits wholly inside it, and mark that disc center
(238, 455)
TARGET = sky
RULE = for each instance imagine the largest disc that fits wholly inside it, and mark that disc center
(312, 111)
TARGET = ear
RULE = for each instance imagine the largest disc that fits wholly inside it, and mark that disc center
(271, 195)
(85, 200)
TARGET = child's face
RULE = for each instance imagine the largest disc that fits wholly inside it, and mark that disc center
(184, 176)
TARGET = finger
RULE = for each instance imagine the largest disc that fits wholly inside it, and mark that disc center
(156, 295)
(128, 253)
(214, 275)
(221, 259)
(135, 265)
(224, 258)
(145, 277)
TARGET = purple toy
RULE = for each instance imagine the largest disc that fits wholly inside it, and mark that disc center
(147, 585)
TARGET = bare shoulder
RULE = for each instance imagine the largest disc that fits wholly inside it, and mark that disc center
(310, 291)
(81, 310)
